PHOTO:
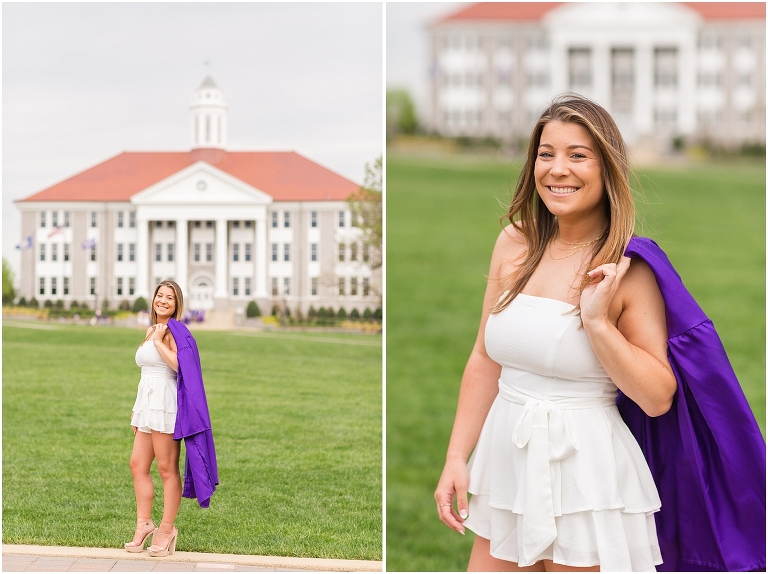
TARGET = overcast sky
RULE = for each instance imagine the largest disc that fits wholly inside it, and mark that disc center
(83, 82)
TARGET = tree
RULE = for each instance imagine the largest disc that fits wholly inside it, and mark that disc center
(366, 207)
(140, 304)
(253, 310)
(9, 293)
(401, 113)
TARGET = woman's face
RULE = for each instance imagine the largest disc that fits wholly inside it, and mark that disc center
(568, 172)
(165, 302)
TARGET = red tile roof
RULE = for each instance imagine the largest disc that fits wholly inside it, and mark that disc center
(502, 11)
(286, 176)
(728, 10)
(527, 11)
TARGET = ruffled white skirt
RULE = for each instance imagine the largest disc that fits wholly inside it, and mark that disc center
(554, 481)
(155, 406)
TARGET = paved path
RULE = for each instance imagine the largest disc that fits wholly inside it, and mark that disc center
(26, 558)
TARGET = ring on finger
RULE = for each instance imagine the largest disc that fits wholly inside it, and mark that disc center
(446, 504)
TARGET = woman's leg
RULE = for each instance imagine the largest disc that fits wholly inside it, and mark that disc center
(167, 453)
(550, 566)
(481, 560)
(141, 460)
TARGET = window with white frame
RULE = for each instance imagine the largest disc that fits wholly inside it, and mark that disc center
(131, 219)
(366, 252)
(92, 286)
(196, 252)
(66, 252)
(274, 286)
(158, 251)
(247, 286)
(131, 252)
(93, 253)
(94, 219)
(313, 219)
(119, 285)
(235, 252)
(353, 251)
(42, 219)
(235, 286)
(66, 219)
(313, 251)
(42, 252)
(342, 218)
(275, 216)
(120, 216)
(41, 290)
(247, 251)
(314, 286)
(341, 252)
(341, 286)
(286, 286)
(209, 252)
(286, 219)
(665, 67)
(171, 224)
(366, 287)
(131, 285)
(274, 252)
(248, 224)
(236, 224)
(65, 286)
(54, 218)
(54, 286)
(119, 251)
(170, 252)
(54, 252)
(286, 252)
(353, 286)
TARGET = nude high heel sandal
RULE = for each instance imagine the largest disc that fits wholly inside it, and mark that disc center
(131, 547)
(170, 548)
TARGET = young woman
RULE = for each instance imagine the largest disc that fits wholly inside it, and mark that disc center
(153, 421)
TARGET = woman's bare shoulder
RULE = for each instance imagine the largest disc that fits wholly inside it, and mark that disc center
(639, 283)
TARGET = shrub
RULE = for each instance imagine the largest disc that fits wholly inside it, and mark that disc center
(331, 314)
(367, 315)
(34, 303)
(22, 302)
(48, 304)
(342, 314)
(377, 314)
(311, 314)
(74, 305)
(275, 311)
(322, 313)
(125, 305)
(355, 314)
(140, 304)
(253, 310)
(59, 304)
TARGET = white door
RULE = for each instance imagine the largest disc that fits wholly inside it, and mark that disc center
(201, 295)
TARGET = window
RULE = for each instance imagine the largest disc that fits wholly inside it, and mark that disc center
(580, 68)
(353, 286)
(196, 252)
(314, 285)
(341, 252)
(341, 285)
(274, 286)
(54, 252)
(366, 286)
(119, 251)
(66, 219)
(158, 251)
(65, 287)
(248, 224)
(131, 285)
(247, 287)
(235, 252)
(42, 252)
(313, 219)
(236, 224)
(171, 224)
(158, 224)
(92, 288)
(66, 252)
(209, 252)
(196, 225)
(235, 288)
(53, 285)
(119, 285)
(42, 219)
(131, 219)
(247, 251)
(42, 286)
(313, 252)
(341, 218)
(366, 252)
(131, 252)
(353, 251)
(274, 218)
(93, 219)
(286, 286)
(274, 252)
(170, 252)
(54, 218)
(665, 67)
(286, 252)
(93, 253)
(209, 224)
(286, 219)
(120, 219)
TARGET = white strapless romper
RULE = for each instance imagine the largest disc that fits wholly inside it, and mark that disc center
(155, 406)
(556, 474)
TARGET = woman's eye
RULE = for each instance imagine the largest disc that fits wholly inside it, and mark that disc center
(545, 154)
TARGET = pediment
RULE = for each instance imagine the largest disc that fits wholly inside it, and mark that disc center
(201, 184)
(619, 17)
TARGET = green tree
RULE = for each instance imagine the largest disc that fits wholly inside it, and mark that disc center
(140, 304)
(366, 207)
(9, 293)
(401, 113)
(253, 310)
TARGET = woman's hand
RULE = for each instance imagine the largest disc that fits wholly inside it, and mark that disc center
(596, 297)
(453, 483)
(159, 331)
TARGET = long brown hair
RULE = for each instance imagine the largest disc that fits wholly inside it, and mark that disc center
(177, 312)
(530, 216)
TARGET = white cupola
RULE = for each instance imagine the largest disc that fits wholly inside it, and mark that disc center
(208, 116)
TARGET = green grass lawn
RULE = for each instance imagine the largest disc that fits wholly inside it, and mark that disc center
(296, 420)
(442, 222)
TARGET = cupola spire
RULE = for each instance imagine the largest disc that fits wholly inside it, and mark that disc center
(208, 121)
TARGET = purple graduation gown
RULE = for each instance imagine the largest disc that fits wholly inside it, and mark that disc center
(706, 454)
(193, 423)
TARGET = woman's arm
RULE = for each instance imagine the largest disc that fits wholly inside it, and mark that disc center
(623, 315)
(479, 387)
(165, 345)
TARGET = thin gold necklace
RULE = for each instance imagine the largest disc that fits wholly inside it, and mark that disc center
(574, 250)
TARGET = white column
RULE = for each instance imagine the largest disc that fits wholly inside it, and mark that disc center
(142, 258)
(182, 255)
(221, 260)
(261, 254)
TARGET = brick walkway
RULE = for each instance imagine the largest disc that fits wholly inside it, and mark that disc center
(24, 558)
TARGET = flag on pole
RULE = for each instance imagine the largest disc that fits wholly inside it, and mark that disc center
(28, 243)
(55, 230)
(88, 244)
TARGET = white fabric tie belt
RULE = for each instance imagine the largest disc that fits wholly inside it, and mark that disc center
(544, 429)
(158, 371)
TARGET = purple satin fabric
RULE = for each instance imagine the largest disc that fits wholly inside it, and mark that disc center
(193, 423)
(706, 454)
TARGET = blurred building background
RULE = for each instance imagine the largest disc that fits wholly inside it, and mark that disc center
(671, 74)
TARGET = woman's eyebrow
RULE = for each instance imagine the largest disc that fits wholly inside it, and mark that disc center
(573, 146)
